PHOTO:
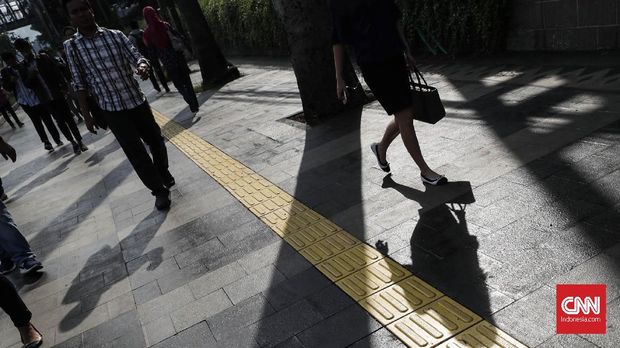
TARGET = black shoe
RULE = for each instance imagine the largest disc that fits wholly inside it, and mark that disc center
(4, 197)
(76, 148)
(82, 146)
(59, 143)
(7, 266)
(12, 125)
(20, 124)
(49, 147)
(440, 180)
(169, 180)
(30, 266)
(384, 166)
(158, 90)
(162, 201)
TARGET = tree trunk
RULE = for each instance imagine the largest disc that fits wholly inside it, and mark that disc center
(213, 66)
(309, 30)
(172, 15)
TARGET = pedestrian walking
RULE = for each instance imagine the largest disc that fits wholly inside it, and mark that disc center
(102, 61)
(136, 36)
(157, 36)
(13, 305)
(373, 29)
(14, 77)
(7, 110)
(14, 248)
(68, 32)
(46, 76)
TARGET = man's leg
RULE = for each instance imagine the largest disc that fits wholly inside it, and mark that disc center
(49, 123)
(35, 117)
(160, 73)
(151, 134)
(5, 113)
(59, 110)
(9, 108)
(12, 242)
(154, 81)
(123, 127)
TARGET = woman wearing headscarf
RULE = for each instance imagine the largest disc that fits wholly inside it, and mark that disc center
(157, 37)
(372, 28)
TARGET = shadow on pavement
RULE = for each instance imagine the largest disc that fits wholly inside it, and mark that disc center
(106, 268)
(443, 251)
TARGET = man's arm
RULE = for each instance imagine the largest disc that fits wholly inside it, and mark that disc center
(7, 151)
(133, 55)
(54, 72)
(79, 84)
(75, 68)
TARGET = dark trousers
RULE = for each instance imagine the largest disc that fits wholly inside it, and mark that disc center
(12, 304)
(7, 112)
(157, 70)
(13, 245)
(183, 83)
(62, 114)
(179, 73)
(131, 128)
(39, 115)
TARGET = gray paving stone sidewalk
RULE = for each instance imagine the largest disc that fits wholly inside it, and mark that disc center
(533, 152)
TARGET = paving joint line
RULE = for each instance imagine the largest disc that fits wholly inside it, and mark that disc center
(414, 311)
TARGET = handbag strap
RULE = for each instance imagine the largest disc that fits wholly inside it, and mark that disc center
(418, 75)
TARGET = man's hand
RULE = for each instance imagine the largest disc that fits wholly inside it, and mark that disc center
(341, 90)
(7, 151)
(143, 71)
(90, 123)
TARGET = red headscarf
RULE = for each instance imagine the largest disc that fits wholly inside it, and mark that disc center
(156, 32)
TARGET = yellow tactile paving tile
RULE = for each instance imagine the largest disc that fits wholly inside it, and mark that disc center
(434, 323)
(410, 308)
(349, 262)
(373, 278)
(482, 335)
(400, 299)
(329, 247)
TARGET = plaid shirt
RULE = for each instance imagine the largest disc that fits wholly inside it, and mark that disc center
(104, 65)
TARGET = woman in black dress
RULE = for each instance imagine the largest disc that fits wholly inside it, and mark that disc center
(372, 28)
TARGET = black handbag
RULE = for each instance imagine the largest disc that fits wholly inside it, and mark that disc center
(427, 105)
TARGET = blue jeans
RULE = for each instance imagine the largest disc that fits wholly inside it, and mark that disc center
(13, 246)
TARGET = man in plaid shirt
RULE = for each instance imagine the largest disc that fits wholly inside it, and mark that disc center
(102, 63)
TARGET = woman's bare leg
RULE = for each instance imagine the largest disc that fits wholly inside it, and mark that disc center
(404, 120)
(391, 132)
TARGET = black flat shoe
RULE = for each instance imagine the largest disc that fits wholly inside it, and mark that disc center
(384, 166)
(162, 201)
(441, 180)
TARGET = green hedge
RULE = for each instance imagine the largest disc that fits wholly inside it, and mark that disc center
(246, 26)
(461, 26)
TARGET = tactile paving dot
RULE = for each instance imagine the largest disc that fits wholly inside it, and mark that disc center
(434, 323)
(482, 335)
(373, 278)
(349, 262)
(400, 299)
